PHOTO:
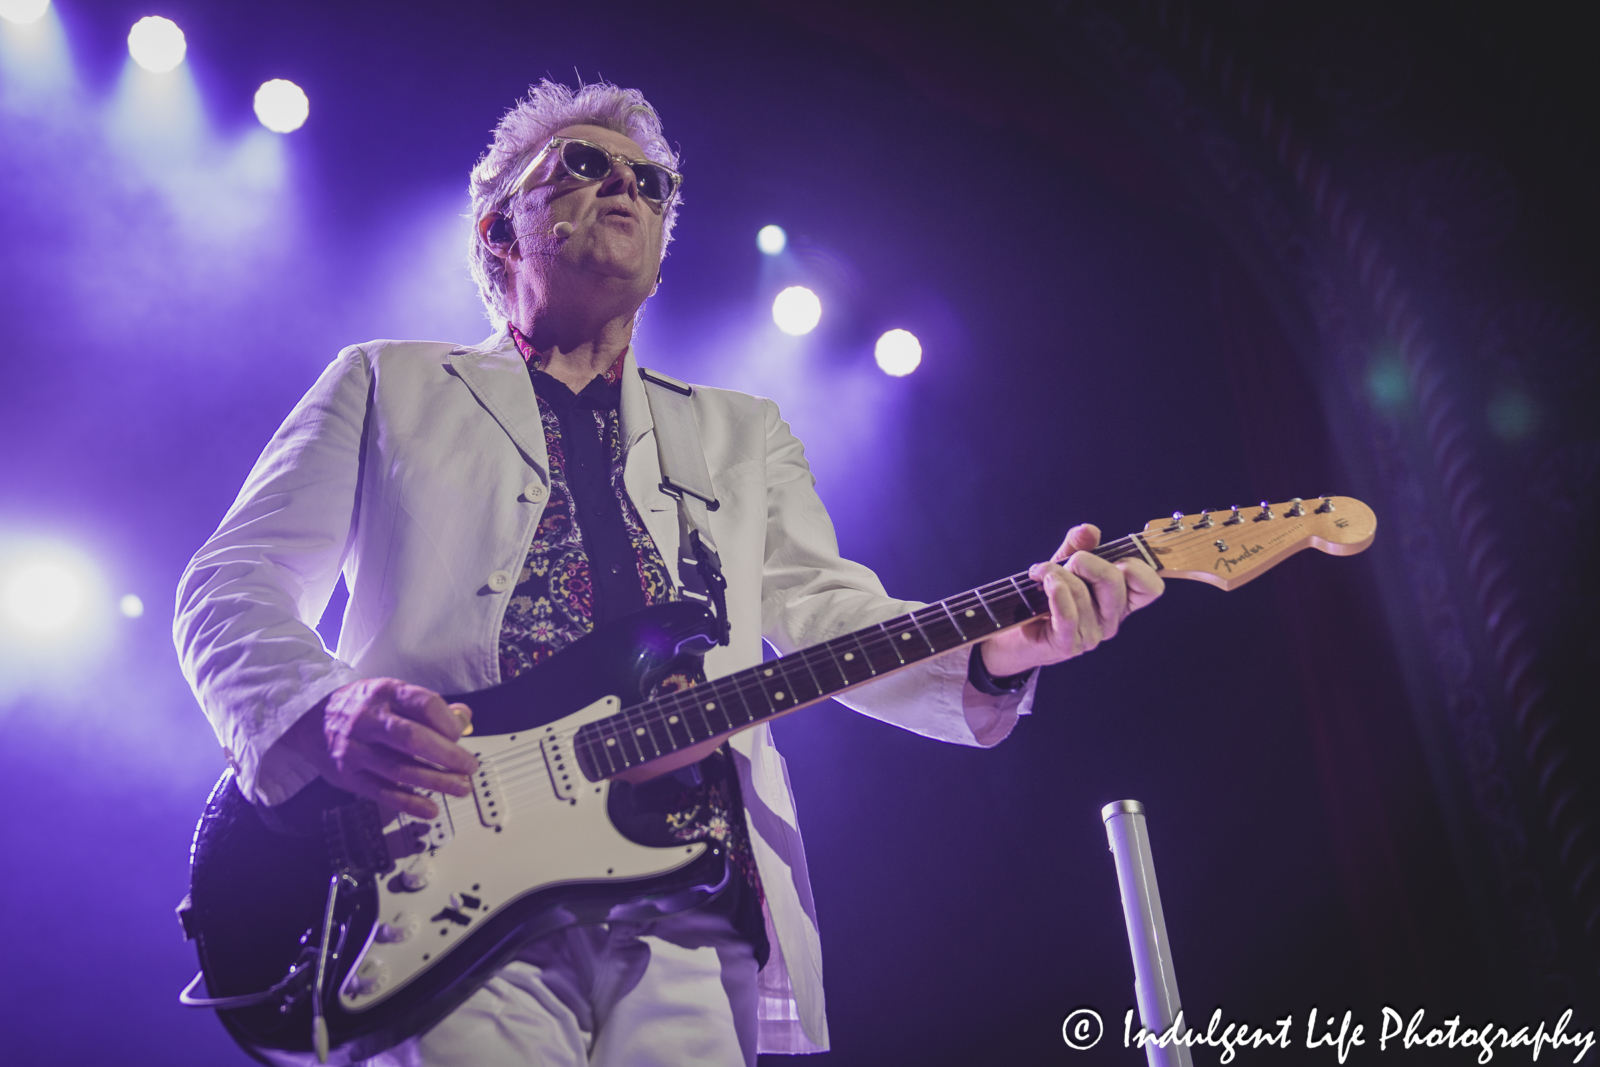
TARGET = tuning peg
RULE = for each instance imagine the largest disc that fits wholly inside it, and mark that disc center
(1295, 510)
(1177, 523)
(1327, 505)
(1266, 511)
(1205, 522)
(1234, 519)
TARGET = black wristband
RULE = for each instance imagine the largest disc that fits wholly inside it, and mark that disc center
(984, 682)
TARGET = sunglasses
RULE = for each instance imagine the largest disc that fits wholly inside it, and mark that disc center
(588, 162)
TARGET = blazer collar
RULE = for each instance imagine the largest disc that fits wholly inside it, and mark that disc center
(498, 377)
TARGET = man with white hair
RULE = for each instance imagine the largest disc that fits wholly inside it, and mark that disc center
(491, 505)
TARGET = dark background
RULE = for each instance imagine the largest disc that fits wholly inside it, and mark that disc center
(1160, 257)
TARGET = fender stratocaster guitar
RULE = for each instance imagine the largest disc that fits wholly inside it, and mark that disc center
(330, 930)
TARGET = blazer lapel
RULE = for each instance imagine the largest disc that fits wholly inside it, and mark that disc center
(642, 470)
(498, 377)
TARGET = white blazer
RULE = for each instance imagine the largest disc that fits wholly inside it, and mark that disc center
(419, 470)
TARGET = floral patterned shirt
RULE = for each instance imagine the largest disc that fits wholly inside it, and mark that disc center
(591, 560)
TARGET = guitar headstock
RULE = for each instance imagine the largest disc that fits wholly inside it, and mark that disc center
(1228, 548)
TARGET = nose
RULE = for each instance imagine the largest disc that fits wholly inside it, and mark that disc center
(621, 181)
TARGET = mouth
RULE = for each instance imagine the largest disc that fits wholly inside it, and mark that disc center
(619, 212)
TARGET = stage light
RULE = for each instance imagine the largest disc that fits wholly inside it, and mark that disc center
(772, 240)
(156, 44)
(46, 593)
(898, 353)
(797, 310)
(282, 106)
(131, 606)
(23, 12)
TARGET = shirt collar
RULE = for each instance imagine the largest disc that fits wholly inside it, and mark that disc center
(612, 374)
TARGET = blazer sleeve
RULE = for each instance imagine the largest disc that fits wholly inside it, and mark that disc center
(249, 601)
(810, 594)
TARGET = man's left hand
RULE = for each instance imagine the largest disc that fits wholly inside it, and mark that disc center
(1089, 598)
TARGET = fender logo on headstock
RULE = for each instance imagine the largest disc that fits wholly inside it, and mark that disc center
(1231, 561)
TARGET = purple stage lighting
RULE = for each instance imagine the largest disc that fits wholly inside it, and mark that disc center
(772, 240)
(47, 592)
(23, 12)
(282, 106)
(898, 353)
(157, 44)
(797, 310)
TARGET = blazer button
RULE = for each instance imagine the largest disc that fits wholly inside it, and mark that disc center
(500, 581)
(533, 492)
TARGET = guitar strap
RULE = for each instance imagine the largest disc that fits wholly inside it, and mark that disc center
(684, 476)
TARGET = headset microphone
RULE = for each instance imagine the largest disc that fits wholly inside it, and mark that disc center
(562, 230)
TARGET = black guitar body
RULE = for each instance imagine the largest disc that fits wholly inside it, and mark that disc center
(260, 877)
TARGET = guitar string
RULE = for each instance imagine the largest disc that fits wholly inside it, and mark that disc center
(645, 718)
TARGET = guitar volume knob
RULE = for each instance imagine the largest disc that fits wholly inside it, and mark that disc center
(399, 929)
(368, 978)
(418, 873)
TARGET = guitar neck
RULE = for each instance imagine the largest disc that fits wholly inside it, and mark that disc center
(660, 727)
(1222, 548)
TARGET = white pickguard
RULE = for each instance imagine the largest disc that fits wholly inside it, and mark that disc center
(532, 822)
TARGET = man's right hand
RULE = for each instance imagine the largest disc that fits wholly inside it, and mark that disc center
(384, 739)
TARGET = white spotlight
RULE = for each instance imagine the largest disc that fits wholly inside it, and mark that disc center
(46, 594)
(131, 606)
(898, 353)
(772, 240)
(797, 310)
(23, 12)
(282, 106)
(156, 44)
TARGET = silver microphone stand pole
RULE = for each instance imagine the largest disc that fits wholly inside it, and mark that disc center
(1155, 986)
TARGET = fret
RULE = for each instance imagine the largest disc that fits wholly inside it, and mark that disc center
(774, 687)
(894, 646)
(983, 600)
(679, 733)
(817, 689)
(866, 658)
(953, 621)
(838, 672)
(631, 734)
(938, 628)
(932, 648)
(732, 688)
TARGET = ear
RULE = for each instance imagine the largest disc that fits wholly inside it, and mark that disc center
(494, 230)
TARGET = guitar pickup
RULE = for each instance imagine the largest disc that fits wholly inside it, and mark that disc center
(564, 777)
(492, 808)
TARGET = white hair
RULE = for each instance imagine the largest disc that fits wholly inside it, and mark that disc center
(519, 136)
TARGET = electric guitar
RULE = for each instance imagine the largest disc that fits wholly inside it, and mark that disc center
(328, 929)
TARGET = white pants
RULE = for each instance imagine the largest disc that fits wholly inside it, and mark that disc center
(673, 992)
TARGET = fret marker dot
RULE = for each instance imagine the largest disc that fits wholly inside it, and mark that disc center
(711, 707)
(672, 718)
(848, 656)
(970, 613)
(906, 636)
(778, 695)
(640, 731)
(767, 672)
(611, 740)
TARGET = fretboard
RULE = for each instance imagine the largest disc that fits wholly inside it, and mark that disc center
(667, 724)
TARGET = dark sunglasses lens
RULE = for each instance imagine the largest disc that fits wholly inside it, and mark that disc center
(654, 182)
(585, 161)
